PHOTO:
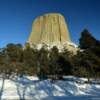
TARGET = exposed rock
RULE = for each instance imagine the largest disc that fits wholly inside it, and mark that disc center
(48, 29)
(51, 29)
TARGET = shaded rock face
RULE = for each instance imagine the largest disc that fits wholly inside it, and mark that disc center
(48, 29)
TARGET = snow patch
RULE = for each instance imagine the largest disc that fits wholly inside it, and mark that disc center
(31, 88)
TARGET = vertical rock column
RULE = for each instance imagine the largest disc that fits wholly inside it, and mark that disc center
(48, 29)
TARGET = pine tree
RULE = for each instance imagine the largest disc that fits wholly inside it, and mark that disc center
(53, 60)
(14, 52)
(87, 40)
(66, 62)
(91, 53)
(29, 59)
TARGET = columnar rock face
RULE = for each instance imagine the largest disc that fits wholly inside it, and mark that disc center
(48, 29)
(51, 30)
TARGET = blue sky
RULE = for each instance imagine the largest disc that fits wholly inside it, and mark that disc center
(16, 17)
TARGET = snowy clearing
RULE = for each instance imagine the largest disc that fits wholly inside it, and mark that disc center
(30, 88)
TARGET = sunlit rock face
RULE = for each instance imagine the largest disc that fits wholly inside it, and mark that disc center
(51, 29)
(48, 29)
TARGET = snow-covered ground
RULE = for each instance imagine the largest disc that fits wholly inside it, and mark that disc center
(30, 88)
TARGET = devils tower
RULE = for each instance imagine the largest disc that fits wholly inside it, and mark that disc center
(51, 29)
(48, 29)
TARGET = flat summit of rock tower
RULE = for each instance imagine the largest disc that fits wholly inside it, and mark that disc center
(48, 29)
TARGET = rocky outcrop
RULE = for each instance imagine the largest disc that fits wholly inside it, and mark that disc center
(51, 30)
(48, 29)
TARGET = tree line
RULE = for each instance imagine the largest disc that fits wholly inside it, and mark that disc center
(19, 60)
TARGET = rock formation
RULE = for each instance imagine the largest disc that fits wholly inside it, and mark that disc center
(48, 29)
(51, 29)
